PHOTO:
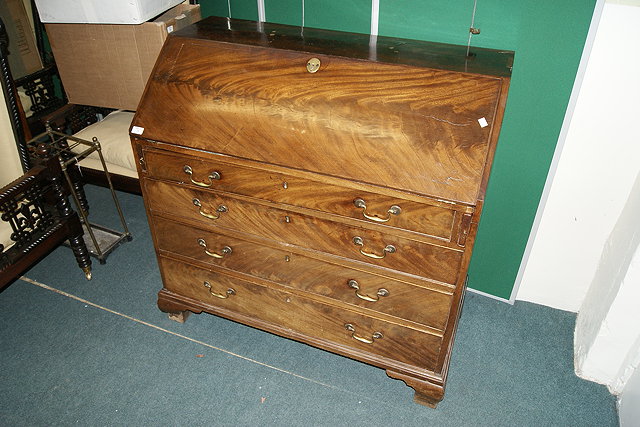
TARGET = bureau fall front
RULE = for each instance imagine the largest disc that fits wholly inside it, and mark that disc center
(319, 186)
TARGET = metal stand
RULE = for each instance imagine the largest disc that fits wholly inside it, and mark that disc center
(102, 240)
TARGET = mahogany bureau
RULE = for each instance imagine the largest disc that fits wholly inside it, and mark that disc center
(320, 185)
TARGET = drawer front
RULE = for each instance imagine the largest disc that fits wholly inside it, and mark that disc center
(305, 316)
(432, 220)
(354, 287)
(384, 250)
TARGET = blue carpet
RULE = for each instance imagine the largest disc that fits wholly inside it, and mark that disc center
(101, 353)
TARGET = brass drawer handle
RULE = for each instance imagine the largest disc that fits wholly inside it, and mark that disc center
(225, 250)
(375, 336)
(220, 209)
(226, 295)
(393, 210)
(212, 176)
(387, 249)
(382, 292)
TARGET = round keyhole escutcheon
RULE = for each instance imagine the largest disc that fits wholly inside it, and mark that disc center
(313, 65)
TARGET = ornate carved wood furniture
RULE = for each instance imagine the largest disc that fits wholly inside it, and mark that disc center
(37, 209)
(319, 186)
(34, 209)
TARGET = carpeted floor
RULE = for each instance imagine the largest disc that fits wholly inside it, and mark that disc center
(101, 353)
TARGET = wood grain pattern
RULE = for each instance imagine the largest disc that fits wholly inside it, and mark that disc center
(423, 218)
(434, 262)
(302, 315)
(142, 145)
(391, 122)
(404, 300)
(389, 125)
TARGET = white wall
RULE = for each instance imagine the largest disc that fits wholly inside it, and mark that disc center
(607, 336)
(595, 169)
(629, 401)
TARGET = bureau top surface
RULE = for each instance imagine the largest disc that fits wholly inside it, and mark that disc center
(393, 50)
(410, 120)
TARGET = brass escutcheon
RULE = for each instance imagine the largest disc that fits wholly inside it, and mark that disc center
(313, 65)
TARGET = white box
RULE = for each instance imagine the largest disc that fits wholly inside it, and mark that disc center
(102, 11)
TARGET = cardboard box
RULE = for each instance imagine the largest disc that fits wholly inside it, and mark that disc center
(24, 57)
(102, 11)
(108, 65)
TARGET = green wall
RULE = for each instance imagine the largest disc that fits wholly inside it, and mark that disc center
(548, 37)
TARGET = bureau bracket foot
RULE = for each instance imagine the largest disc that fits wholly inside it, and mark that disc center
(176, 310)
(180, 316)
(426, 393)
(425, 400)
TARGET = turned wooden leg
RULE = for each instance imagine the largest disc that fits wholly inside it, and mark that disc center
(74, 226)
(79, 246)
(78, 188)
(80, 251)
(75, 178)
(426, 393)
